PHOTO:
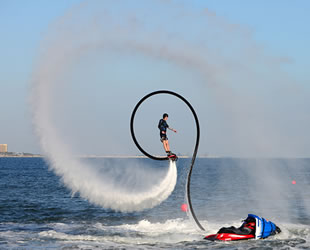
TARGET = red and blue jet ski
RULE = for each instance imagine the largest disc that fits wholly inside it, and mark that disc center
(253, 227)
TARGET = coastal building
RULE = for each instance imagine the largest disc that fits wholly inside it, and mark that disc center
(3, 148)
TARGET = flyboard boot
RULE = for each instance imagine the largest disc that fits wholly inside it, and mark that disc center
(172, 156)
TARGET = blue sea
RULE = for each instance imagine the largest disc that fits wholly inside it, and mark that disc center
(37, 211)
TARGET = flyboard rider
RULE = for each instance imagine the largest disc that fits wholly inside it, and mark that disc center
(162, 125)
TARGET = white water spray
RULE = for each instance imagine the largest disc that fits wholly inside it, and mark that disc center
(227, 60)
(105, 189)
(101, 189)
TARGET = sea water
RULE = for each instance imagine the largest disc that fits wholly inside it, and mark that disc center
(38, 212)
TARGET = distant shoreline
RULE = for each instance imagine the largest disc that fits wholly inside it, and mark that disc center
(27, 155)
(21, 155)
(83, 156)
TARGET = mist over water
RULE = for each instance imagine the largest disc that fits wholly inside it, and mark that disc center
(242, 92)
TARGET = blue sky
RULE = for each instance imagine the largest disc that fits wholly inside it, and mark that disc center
(22, 26)
(280, 27)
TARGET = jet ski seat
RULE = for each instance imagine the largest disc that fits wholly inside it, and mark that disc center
(248, 227)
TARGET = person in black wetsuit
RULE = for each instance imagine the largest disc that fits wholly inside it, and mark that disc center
(247, 227)
(162, 125)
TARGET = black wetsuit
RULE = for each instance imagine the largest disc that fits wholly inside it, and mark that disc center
(162, 125)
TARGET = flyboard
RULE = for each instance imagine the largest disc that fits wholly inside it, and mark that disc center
(159, 92)
(173, 157)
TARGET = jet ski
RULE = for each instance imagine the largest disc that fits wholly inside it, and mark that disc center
(253, 227)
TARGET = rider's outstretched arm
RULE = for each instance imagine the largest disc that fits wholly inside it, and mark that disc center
(172, 130)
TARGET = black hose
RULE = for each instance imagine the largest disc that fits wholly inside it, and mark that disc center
(166, 158)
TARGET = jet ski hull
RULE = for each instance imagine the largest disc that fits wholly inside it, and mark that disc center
(228, 237)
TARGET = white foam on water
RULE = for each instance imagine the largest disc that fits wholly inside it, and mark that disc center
(144, 232)
(172, 233)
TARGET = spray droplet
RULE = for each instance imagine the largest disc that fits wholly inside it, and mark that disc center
(184, 207)
(293, 182)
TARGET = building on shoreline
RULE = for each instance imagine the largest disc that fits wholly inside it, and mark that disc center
(3, 148)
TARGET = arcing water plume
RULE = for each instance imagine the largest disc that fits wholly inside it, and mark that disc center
(236, 77)
(107, 188)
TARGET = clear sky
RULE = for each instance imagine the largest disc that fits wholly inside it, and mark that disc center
(279, 28)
